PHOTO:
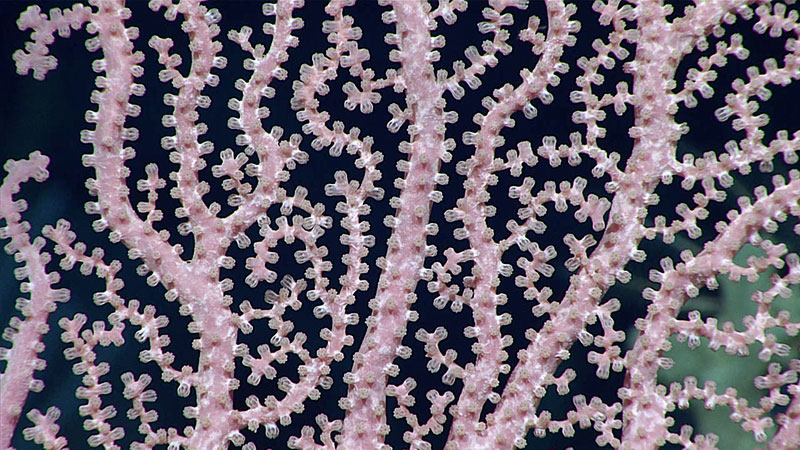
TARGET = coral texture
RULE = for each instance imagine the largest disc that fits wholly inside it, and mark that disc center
(626, 190)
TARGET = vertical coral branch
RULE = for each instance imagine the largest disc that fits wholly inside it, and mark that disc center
(24, 334)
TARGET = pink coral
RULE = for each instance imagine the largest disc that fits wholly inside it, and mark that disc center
(240, 366)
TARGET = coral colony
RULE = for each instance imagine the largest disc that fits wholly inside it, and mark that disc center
(353, 263)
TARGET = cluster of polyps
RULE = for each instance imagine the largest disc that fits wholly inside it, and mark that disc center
(648, 42)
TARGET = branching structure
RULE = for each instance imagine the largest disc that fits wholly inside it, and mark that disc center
(492, 399)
